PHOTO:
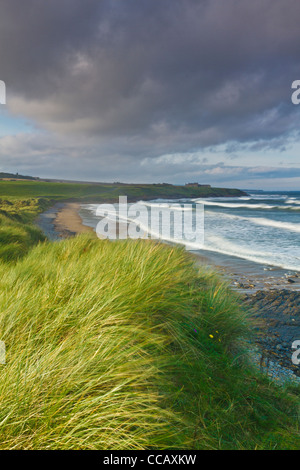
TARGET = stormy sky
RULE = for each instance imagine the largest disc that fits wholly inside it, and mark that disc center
(152, 91)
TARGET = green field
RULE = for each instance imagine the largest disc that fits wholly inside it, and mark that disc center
(125, 345)
(104, 192)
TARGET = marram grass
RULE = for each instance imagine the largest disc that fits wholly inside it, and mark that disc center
(16, 238)
(17, 233)
(125, 345)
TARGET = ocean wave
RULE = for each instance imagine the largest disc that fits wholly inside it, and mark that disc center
(276, 224)
(220, 245)
(292, 201)
(259, 221)
(246, 206)
(286, 258)
(167, 206)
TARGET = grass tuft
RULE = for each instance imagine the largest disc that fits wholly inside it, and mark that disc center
(126, 345)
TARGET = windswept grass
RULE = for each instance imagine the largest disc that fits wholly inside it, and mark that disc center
(23, 210)
(17, 238)
(17, 233)
(126, 346)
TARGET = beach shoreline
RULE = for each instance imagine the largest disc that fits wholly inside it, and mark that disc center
(61, 221)
(68, 221)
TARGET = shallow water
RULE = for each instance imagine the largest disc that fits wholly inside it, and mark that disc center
(45, 222)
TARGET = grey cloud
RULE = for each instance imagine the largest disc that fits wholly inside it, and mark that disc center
(142, 78)
(40, 156)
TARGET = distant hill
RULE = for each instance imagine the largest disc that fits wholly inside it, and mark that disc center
(11, 176)
(105, 192)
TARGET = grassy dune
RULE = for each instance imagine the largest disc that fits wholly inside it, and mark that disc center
(17, 233)
(127, 346)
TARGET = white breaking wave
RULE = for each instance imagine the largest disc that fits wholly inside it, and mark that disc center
(166, 206)
(241, 237)
(235, 206)
(225, 247)
(292, 201)
(267, 196)
(146, 231)
(260, 221)
(243, 206)
(276, 224)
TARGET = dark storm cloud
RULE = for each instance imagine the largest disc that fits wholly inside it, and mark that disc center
(141, 78)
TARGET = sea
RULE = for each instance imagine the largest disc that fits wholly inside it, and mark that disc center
(262, 227)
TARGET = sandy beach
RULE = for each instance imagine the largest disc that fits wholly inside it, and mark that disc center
(68, 222)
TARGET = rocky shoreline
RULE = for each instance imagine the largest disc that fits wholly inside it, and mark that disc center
(277, 314)
(272, 297)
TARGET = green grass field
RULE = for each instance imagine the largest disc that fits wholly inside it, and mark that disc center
(103, 192)
(126, 345)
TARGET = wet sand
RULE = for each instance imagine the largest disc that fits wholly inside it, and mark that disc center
(62, 221)
(247, 276)
(68, 221)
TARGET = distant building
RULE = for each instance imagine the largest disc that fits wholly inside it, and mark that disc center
(197, 185)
